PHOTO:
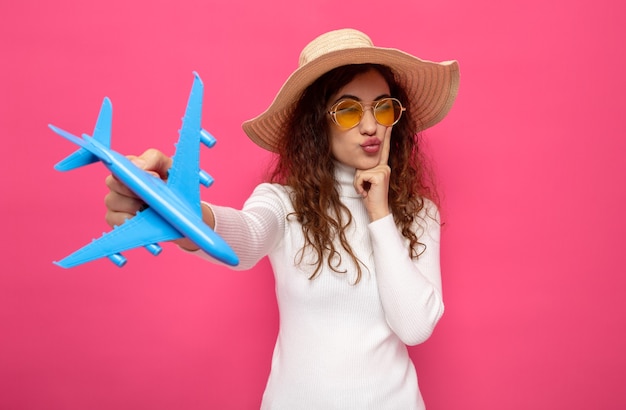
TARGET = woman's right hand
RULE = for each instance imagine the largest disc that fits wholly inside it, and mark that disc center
(121, 202)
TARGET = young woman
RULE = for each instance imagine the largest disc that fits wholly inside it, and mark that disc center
(349, 222)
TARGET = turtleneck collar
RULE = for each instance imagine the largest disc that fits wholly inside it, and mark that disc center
(344, 175)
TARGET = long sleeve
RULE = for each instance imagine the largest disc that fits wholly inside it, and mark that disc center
(255, 229)
(410, 290)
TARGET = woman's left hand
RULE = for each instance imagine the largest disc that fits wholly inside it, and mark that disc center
(373, 184)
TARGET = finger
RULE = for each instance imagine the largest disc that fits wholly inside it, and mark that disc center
(115, 185)
(116, 202)
(120, 208)
(360, 184)
(156, 161)
(384, 155)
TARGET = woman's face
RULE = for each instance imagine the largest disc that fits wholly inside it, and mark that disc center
(360, 147)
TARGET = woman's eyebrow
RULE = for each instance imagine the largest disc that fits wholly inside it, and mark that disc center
(346, 97)
(354, 97)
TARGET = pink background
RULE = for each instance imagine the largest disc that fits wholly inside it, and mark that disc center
(530, 162)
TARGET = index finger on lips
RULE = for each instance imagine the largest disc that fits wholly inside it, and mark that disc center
(384, 155)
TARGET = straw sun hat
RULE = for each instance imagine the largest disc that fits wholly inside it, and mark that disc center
(431, 86)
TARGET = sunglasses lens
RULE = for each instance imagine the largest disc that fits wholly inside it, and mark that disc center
(387, 111)
(348, 113)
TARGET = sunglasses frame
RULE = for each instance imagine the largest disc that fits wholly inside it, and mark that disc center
(372, 105)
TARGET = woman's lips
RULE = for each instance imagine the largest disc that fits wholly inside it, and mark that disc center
(371, 145)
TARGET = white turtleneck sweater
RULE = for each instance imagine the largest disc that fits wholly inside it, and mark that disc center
(341, 345)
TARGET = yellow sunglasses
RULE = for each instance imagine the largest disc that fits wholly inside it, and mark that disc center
(347, 113)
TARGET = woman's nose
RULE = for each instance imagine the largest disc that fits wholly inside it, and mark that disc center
(368, 123)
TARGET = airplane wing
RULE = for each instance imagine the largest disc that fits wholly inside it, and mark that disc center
(145, 229)
(184, 175)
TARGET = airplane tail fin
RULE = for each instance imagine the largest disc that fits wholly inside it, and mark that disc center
(87, 154)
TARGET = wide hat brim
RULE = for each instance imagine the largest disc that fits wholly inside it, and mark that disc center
(431, 86)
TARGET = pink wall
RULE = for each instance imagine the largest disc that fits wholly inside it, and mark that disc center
(530, 162)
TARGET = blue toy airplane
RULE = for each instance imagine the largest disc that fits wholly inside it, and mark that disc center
(173, 207)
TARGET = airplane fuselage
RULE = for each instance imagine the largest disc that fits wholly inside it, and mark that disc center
(158, 196)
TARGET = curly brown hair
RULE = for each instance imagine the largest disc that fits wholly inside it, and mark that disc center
(305, 164)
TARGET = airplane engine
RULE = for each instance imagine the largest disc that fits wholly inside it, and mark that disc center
(205, 178)
(118, 259)
(207, 139)
(154, 248)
